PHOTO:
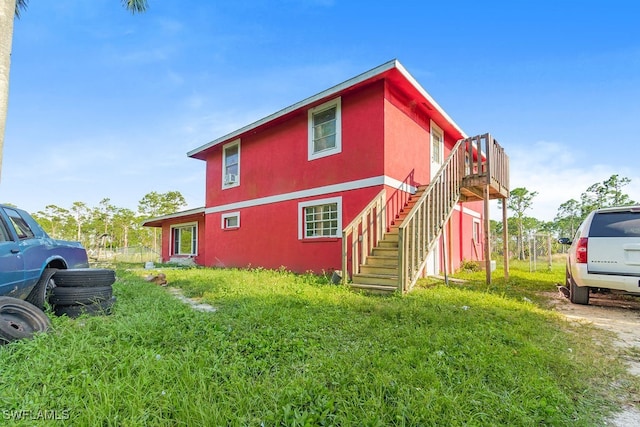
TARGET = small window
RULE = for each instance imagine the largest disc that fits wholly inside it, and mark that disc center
(185, 239)
(231, 221)
(325, 129)
(320, 218)
(19, 224)
(476, 231)
(231, 165)
(437, 145)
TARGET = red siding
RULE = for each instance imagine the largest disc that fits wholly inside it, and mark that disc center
(268, 236)
(274, 161)
(167, 247)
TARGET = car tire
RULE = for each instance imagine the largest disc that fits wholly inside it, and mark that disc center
(84, 277)
(577, 294)
(42, 289)
(100, 308)
(80, 296)
(20, 319)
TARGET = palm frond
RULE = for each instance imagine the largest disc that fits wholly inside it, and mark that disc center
(135, 6)
(20, 6)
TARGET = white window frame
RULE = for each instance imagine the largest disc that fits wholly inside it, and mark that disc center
(318, 202)
(224, 217)
(172, 242)
(436, 131)
(225, 147)
(337, 103)
(476, 229)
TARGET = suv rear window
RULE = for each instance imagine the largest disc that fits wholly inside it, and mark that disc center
(615, 224)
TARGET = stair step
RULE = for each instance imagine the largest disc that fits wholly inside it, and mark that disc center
(388, 261)
(388, 243)
(388, 252)
(375, 279)
(390, 237)
(386, 270)
(375, 289)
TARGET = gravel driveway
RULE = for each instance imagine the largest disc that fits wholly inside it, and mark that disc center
(616, 313)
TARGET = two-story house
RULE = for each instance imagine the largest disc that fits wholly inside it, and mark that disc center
(333, 183)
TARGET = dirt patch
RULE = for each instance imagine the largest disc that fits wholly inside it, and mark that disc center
(619, 314)
(194, 303)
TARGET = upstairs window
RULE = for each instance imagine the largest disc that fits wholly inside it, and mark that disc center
(437, 148)
(325, 129)
(231, 165)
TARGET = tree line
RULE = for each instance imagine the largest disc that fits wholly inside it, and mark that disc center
(107, 226)
(568, 218)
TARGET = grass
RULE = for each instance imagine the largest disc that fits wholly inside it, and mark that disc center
(285, 349)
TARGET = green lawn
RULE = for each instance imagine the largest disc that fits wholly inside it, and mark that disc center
(285, 349)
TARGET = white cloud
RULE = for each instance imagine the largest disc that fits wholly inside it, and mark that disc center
(558, 173)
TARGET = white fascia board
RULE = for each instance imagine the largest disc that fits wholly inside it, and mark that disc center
(176, 215)
(305, 102)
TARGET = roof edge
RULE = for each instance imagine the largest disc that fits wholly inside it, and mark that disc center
(389, 65)
(310, 100)
(181, 214)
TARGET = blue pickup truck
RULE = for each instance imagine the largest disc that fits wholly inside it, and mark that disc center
(29, 257)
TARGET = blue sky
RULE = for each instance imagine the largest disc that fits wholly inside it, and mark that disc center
(105, 104)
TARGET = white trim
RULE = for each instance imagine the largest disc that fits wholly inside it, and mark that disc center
(311, 154)
(172, 237)
(224, 217)
(329, 93)
(235, 183)
(317, 202)
(314, 192)
(468, 211)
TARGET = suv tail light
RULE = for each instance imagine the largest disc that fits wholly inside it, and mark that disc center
(581, 251)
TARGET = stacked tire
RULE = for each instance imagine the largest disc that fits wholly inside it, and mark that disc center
(83, 291)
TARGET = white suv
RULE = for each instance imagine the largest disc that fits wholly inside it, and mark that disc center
(605, 253)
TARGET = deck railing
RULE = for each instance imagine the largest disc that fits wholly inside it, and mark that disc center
(363, 234)
(484, 159)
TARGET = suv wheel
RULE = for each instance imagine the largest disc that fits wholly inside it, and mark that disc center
(577, 294)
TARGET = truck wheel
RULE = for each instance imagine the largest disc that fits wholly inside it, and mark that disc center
(94, 309)
(40, 291)
(20, 319)
(80, 296)
(84, 277)
(578, 294)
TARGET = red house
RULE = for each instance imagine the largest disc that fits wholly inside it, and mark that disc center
(370, 177)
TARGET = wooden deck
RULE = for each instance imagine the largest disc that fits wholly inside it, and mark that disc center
(490, 168)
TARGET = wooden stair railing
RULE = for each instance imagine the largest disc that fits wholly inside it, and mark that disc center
(385, 247)
(363, 234)
(419, 232)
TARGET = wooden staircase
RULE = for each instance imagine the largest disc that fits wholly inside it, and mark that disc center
(379, 272)
(385, 248)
